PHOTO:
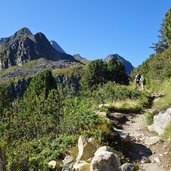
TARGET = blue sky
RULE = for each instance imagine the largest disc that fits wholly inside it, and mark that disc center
(92, 28)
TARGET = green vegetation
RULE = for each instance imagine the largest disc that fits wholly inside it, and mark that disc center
(164, 102)
(99, 72)
(149, 118)
(168, 131)
(48, 120)
(157, 70)
(40, 127)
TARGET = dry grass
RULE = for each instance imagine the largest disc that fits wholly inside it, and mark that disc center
(73, 70)
(128, 106)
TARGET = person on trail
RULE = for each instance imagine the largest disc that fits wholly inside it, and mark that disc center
(142, 82)
(137, 79)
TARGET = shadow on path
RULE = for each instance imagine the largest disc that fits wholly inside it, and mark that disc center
(135, 151)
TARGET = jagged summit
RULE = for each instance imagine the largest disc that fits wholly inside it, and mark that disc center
(23, 46)
(23, 32)
(127, 64)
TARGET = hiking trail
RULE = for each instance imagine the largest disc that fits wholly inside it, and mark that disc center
(146, 148)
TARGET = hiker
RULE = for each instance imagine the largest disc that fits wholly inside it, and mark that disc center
(137, 80)
(142, 82)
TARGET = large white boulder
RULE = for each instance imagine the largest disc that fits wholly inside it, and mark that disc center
(52, 164)
(161, 121)
(105, 160)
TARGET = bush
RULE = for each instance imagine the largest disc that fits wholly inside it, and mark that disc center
(149, 118)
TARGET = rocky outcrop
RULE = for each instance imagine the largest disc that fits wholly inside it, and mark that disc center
(86, 149)
(161, 121)
(18, 87)
(23, 46)
(105, 160)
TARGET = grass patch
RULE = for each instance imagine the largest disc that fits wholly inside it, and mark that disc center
(127, 106)
(149, 118)
(73, 70)
(164, 102)
(168, 131)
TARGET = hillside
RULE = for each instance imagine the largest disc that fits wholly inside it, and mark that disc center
(157, 66)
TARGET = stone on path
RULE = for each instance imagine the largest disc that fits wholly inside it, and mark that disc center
(123, 134)
(127, 167)
(105, 160)
(151, 140)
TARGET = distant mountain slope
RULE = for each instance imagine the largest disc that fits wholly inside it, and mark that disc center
(56, 46)
(81, 59)
(23, 46)
(128, 66)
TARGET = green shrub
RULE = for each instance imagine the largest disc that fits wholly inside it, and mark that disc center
(149, 118)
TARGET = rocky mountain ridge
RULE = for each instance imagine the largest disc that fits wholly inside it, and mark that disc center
(56, 46)
(23, 46)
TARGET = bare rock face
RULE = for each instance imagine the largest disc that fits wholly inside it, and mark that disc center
(23, 46)
(85, 149)
(105, 160)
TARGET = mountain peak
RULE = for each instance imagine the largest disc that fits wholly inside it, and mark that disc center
(23, 46)
(23, 32)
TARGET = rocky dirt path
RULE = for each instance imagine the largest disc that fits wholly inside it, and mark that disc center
(146, 148)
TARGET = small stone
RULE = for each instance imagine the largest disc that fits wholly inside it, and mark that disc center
(127, 167)
(164, 146)
(166, 152)
(161, 155)
(157, 160)
(52, 164)
(145, 160)
(152, 140)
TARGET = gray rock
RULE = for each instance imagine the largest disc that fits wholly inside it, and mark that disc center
(151, 140)
(161, 121)
(123, 134)
(127, 167)
(85, 149)
(105, 161)
(145, 160)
